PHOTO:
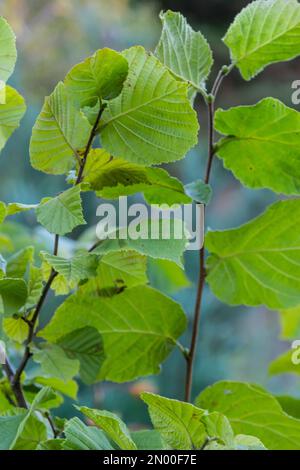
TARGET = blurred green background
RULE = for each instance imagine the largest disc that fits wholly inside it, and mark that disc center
(235, 343)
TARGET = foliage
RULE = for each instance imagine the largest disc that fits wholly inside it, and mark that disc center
(112, 324)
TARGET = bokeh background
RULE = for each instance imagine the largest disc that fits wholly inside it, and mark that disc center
(235, 343)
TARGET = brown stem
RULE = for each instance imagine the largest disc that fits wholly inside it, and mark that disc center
(16, 388)
(89, 145)
(202, 270)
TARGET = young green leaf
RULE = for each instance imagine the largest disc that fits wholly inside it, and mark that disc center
(69, 388)
(11, 112)
(59, 133)
(2, 211)
(199, 191)
(16, 208)
(184, 51)
(265, 32)
(98, 77)
(82, 437)
(141, 321)
(112, 425)
(262, 147)
(259, 262)
(18, 263)
(290, 323)
(152, 120)
(167, 276)
(61, 214)
(8, 51)
(75, 269)
(13, 293)
(180, 424)
(252, 410)
(284, 364)
(114, 177)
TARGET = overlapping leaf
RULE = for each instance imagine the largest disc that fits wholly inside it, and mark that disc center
(259, 262)
(112, 425)
(152, 120)
(114, 177)
(252, 410)
(60, 131)
(61, 214)
(262, 147)
(98, 77)
(265, 32)
(180, 424)
(8, 51)
(11, 112)
(183, 50)
(141, 321)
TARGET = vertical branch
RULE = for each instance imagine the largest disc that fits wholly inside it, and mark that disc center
(202, 270)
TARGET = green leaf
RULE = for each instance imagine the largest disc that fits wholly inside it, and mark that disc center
(152, 120)
(100, 76)
(180, 424)
(240, 442)
(259, 139)
(35, 286)
(218, 428)
(265, 32)
(31, 432)
(8, 51)
(18, 263)
(163, 246)
(2, 212)
(61, 214)
(14, 294)
(16, 208)
(184, 51)
(252, 410)
(2, 267)
(167, 276)
(259, 262)
(120, 269)
(54, 362)
(290, 405)
(141, 321)
(74, 269)
(16, 328)
(82, 437)
(86, 345)
(51, 444)
(148, 440)
(11, 112)
(284, 364)
(290, 323)
(60, 131)
(9, 426)
(69, 388)
(199, 191)
(112, 425)
(113, 177)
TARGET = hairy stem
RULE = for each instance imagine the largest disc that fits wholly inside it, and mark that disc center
(202, 270)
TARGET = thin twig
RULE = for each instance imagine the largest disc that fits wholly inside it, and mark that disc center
(202, 270)
(89, 144)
